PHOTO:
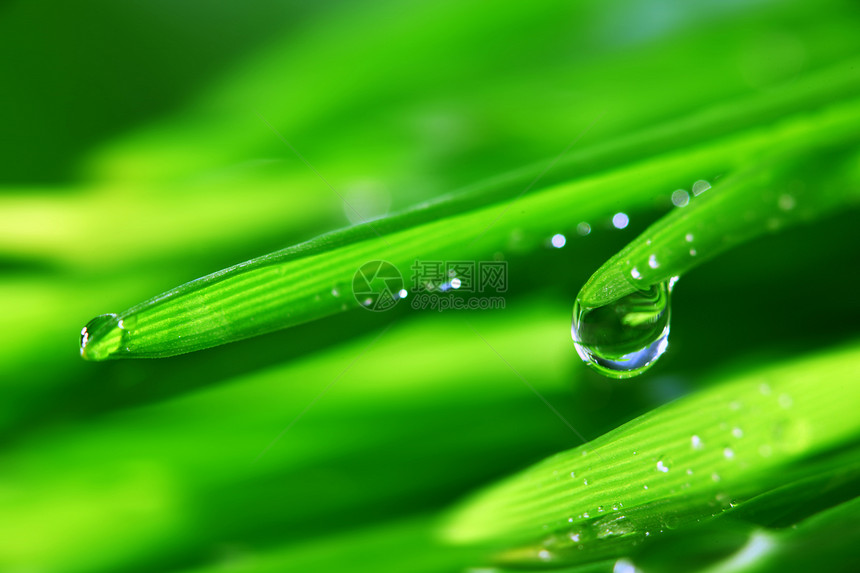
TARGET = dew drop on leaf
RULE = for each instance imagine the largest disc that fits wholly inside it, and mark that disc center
(624, 338)
(700, 187)
(102, 336)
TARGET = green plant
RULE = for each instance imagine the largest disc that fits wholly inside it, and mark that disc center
(325, 437)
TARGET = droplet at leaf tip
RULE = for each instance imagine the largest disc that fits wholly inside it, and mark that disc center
(101, 337)
(626, 337)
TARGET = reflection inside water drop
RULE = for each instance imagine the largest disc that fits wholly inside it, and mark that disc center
(624, 338)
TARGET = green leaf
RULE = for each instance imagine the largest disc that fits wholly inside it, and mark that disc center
(314, 279)
(679, 464)
(784, 190)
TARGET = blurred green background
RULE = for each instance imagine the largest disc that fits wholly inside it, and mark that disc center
(136, 156)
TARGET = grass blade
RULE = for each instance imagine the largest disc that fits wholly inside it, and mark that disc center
(784, 191)
(313, 279)
(679, 464)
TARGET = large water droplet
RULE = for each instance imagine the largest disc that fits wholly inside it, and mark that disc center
(101, 337)
(624, 338)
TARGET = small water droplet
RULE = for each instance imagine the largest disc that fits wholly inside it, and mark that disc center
(624, 338)
(102, 336)
(644, 487)
(335, 293)
(613, 526)
(620, 220)
(573, 474)
(558, 240)
(600, 509)
(583, 228)
(661, 467)
(574, 537)
(692, 252)
(737, 432)
(715, 476)
(624, 566)
(689, 237)
(634, 272)
(696, 442)
(680, 198)
(700, 187)
(689, 472)
(728, 453)
(544, 555)
(585, 481)
(652, 262)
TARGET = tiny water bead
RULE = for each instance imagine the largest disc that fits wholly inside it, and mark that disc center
(624, 338)
(680, 198)
(620, 220)
(700, 187)
(101, 337)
